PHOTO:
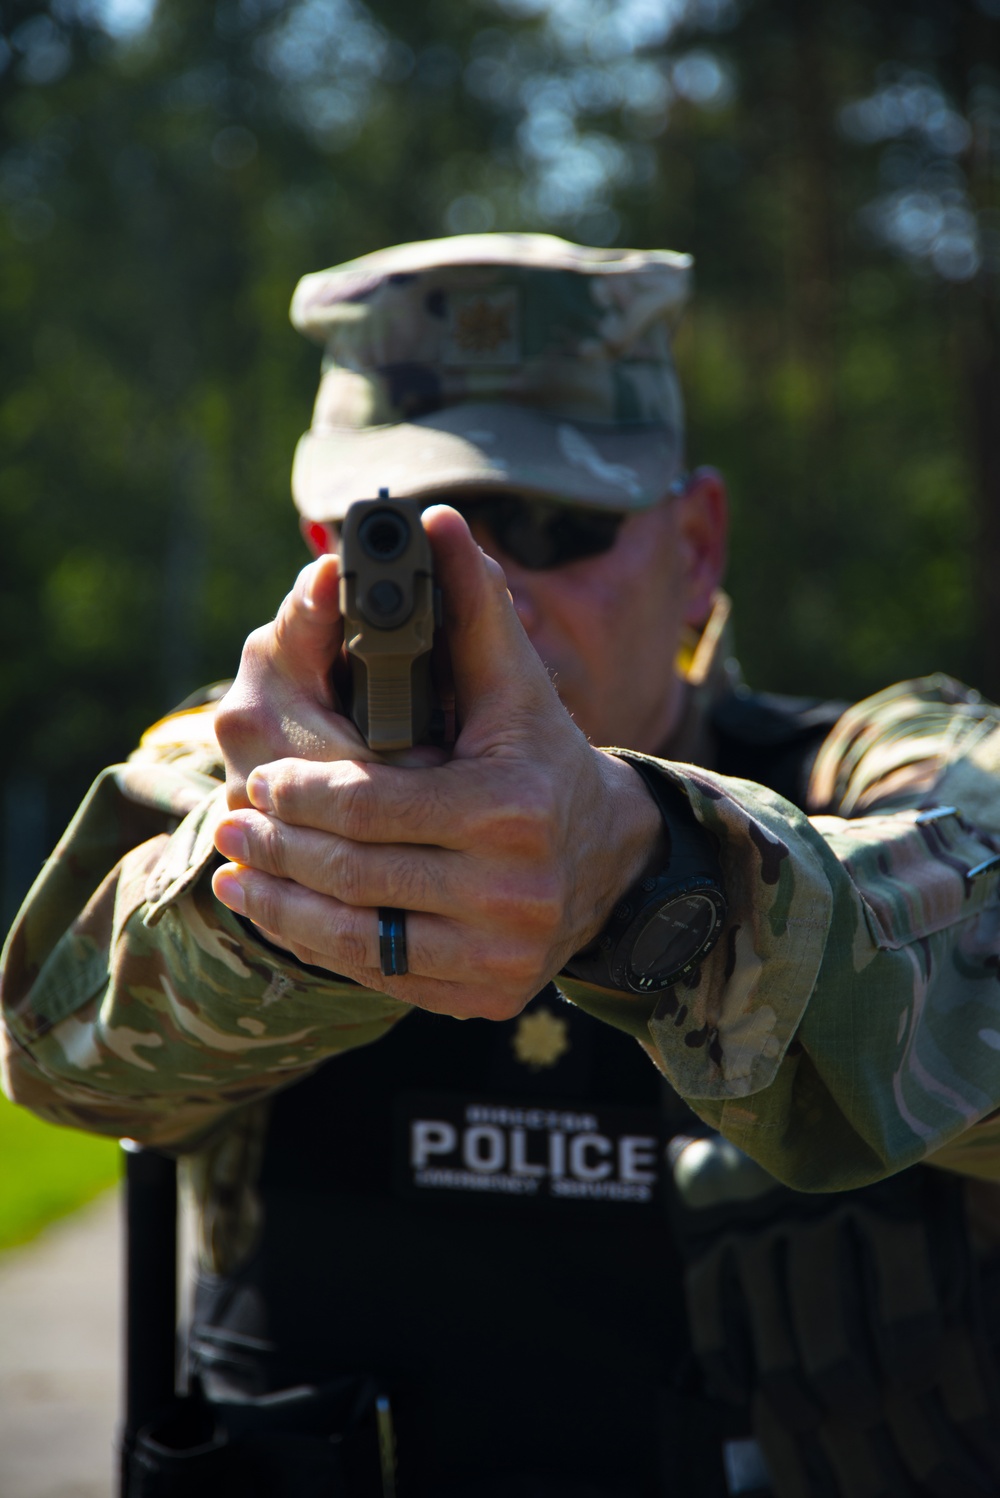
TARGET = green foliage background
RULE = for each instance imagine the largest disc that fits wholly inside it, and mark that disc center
(47, 1172)
(167, 172)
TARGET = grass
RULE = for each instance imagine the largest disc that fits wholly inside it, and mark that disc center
(46, 1171)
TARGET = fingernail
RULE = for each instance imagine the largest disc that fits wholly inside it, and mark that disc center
(259, 792)
(230, 839)
(310, 588)
(229, 890)
(315, 572)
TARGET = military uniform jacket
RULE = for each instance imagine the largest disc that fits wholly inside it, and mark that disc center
(846, 1026)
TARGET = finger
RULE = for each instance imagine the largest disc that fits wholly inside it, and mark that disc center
(308, 630)
(444, 964)
(493, 663)
(354, 873)
(282, 701)
(253, 728)
(369, 875)
(507, 807)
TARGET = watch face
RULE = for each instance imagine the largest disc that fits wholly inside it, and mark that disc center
(672, 936)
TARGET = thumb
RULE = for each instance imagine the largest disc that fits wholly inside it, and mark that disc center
(308, 630)
(498, 676)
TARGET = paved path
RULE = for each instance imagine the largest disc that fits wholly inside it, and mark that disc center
(59, 1345)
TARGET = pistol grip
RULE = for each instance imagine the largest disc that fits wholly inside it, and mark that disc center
(391, 702)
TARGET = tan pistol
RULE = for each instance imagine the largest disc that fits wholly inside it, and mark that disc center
(388, 602)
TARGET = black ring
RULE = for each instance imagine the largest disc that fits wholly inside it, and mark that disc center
(392, 941)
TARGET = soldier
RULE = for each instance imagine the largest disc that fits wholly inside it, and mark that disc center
(579, 1266)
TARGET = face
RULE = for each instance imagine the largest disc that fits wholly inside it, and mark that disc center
(608, 627)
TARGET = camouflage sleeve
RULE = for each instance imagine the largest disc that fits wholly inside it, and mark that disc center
(134, 1004)
(848, 1023)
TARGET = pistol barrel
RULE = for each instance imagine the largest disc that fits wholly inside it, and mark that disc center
(387, 602)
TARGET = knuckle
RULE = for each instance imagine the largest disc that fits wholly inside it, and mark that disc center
(512, 967)
(426, 807)
(343, 874)
(540, 803)
(410, 882)
(526, 823)
(236, 788)
(349, 943)
(423, 808)
(283, 777)
(518, 969)
(534, 906)
(267, 842)
(264, 903)
(509, 1005)
(357, 807)
(235, 721)
(546, 904)
(336, 931)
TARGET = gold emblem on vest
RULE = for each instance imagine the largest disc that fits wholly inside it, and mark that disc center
(540, 1039)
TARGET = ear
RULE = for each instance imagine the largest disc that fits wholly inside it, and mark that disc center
(319, 538)
(703, 523)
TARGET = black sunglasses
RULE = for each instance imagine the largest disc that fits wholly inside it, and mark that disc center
(540, 534)
(537, 533)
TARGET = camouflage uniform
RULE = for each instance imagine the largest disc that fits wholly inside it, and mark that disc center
(844, 1028)
(848, 1024)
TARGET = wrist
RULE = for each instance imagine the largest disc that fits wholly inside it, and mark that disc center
(665, 920)
(637, 835)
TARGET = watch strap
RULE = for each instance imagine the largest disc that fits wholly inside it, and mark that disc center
(691, 863)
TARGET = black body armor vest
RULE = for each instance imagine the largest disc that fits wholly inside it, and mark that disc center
(474, 1213)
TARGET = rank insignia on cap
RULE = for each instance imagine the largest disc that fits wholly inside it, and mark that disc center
(483, 327)
(541, 1039)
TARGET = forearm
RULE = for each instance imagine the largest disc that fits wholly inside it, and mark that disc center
(840, 1030)
(148, 1011)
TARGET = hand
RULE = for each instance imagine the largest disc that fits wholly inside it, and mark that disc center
(508, 858)
(281, 702)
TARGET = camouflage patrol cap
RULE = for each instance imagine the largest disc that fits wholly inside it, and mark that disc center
(505, 361)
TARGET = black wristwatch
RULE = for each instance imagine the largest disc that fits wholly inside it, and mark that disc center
(664, 927)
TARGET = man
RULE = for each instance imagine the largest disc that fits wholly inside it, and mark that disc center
(477, 1214)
